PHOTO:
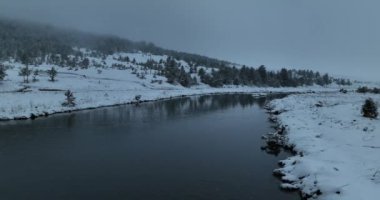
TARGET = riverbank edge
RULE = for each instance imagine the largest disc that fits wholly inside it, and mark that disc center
(62, 110)
(278, 141)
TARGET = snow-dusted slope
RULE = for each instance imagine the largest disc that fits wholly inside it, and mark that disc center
(339, 150)
(103, 83)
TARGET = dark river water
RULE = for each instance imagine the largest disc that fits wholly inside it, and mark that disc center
(205, 148)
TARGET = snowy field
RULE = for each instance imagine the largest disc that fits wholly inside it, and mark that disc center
(338, 150)
(100, 86)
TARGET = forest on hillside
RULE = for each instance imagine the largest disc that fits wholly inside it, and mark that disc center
(248, 76)
(34, 44)
(19, 38)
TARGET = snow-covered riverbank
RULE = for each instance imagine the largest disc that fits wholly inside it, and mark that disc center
(114, 83)
(19, 105)
(338, 150)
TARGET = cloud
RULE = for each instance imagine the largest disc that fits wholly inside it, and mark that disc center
(341, 36)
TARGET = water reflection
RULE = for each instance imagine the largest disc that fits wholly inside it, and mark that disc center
(173, 108)
(201, 147)
(149, 111)
(130, 114)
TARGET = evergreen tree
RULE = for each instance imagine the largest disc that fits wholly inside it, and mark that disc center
(171, 71)
(201, 72)
(25, 73)
(184, 78)
(85, 63)
(326, 79)
(52, 74)
(25, 59)
(2, 72)
(263, 74)
(369, 109)
(284, 77)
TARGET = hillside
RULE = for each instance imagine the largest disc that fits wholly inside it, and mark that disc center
(113, 83)
(20, 38)
(40, 63)
(36, 44)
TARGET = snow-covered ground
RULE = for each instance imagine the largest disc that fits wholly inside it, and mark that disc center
(102, 84)
(338, 149)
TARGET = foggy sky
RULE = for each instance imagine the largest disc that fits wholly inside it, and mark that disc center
(335, 36)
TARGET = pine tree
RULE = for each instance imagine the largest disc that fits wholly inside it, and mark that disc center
(284, 77)
(85, 63)
(52, 74)
(2, 72)
(263, 74)
(369, 109)
(25, 73)
(327, 80)
(201, 72)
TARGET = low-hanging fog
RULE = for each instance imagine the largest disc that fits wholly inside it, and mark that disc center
(340, 37)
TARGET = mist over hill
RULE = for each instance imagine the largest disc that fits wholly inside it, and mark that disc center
(35, 44)
(18, 38)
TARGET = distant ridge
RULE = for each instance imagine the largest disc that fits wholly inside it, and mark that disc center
(18, 37)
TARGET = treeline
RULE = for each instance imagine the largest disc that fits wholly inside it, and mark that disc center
(40, 42)
(366, 89)
(175, 73)
(248, 76)
(262, 77)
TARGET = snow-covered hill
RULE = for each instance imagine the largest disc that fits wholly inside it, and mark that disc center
(106, 81)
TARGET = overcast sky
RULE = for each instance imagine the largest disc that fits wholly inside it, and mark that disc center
(336, 36)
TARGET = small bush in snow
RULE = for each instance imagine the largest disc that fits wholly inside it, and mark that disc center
(70, 99)
(52, 74)
(137, 97)
(137, 100)
(141, 75)
(342, 90)
(369, 109)
(376, 90)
